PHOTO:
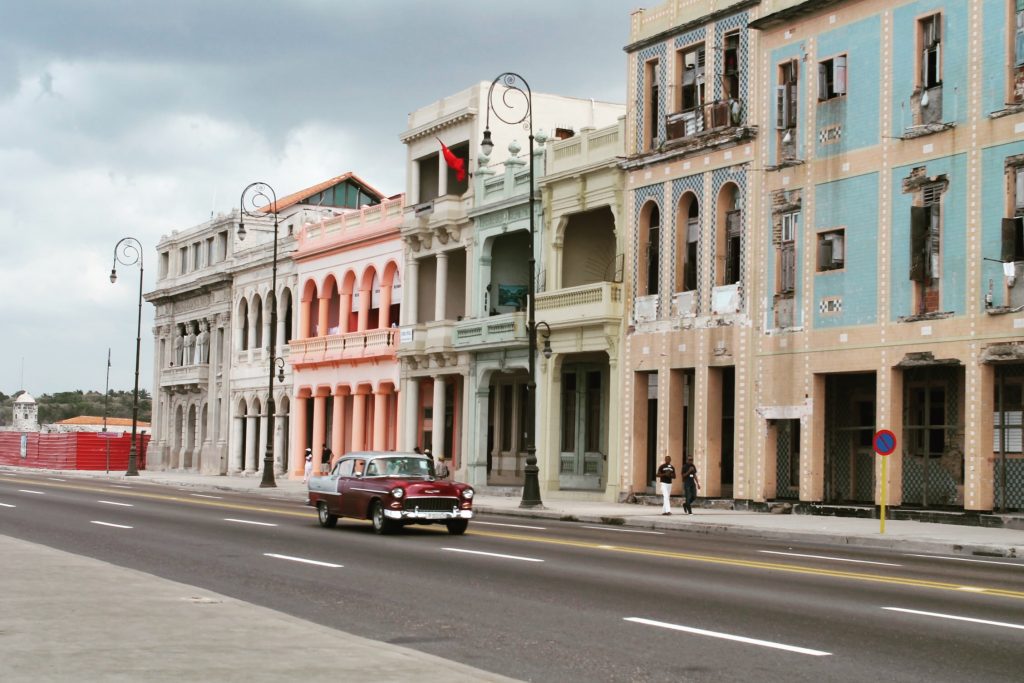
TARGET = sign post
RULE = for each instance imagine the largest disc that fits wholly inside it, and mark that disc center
(884, 443)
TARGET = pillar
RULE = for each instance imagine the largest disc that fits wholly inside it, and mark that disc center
(345, 312)
(280, 447)
(237, 447)
(411, 293)
(437, 419)
(319, 428)
(441, 286)
(321, 317)
(261, 446)
(300, 412)
(359, 420)
(338, 423)
(468, 306)
(442, 176)
(410, 413)
(364, 308)
(250, 443)
(384, 314)
(380, 420)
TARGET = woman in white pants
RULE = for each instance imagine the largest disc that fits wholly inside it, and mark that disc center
(666, 473)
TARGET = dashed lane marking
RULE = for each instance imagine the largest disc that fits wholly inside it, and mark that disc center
(624, 531)
(729, 636)
(826, 557)
(38, 493)
(114, 502)
(248, 521)
(305, 561)
(517, 526)
(499, 555)
(116, 526)
(1018, 565)
(955, 617)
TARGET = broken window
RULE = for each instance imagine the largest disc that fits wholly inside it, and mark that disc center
(653, 249)
(831, 250)
(1013, 227)
(931, 51)
(651, 81)
(832, 78)
(1017, 51)
(731, 66)
(734, 235)
(786, 109)
(787, 252)
(925, 241)
(692, 239)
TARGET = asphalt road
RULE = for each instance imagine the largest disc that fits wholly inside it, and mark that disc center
(558, 601)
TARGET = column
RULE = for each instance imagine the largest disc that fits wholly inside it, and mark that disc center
(319, 428)
(299, 410)
(380, 420)
(437, 420)
(410, 414)
(468, 306)
(321, 317)
(384, 315)
(345, 312)
(359, 420)
(411, 292)
(441, 286)
(250, 442)
(211, 385)
(249, 332)
(442, 176)
(280, 447)
(261, 447)
(364, 308)
(237, 453)
(279, 333)
(338, 423)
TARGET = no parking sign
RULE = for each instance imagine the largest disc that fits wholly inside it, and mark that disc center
(884, 443)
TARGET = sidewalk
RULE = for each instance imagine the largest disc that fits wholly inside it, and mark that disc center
(71, 618)
(912, 536)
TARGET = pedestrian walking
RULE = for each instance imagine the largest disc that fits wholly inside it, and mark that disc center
(325, 459)
(691, 484)
(441, 470)
(666, 473)
(308, 468)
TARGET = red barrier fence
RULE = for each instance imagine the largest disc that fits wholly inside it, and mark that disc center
(70, 450)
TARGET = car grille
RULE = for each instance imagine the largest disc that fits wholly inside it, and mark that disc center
(431, 504)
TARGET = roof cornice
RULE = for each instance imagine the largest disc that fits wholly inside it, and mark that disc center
(437, 124)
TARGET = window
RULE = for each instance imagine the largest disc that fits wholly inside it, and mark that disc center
(1008, 435)
(1017, 51)
(182, 260)
(787, 252)
(165, 260)
(925, 240)
(1013, 227)
(210, 254)
(692, 85)
(832, 78)
(197, 255)
(831, 250)
(653, 250)
(734, 235)
(222, 251)
(731, 67)
(651, 109)
(429, 178)
(456, 186)
(931, 51)
(786, 109)
(692, 237)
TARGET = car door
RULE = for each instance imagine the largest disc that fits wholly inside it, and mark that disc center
(342, 471)
(354, 500)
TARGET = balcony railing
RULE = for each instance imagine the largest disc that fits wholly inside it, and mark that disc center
(706, 118)
(185, 375)
(595, 301)
(726, 298)
(499, 329)
(351, 345)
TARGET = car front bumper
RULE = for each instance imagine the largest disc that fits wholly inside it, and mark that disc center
(428, 515)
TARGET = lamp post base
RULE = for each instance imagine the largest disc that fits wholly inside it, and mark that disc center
(132, 470)
(268, 473)
(531, 483)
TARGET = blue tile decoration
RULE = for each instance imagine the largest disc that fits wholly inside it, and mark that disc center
(737, 175)
(652, 52)
(695, 184)
(641, 195)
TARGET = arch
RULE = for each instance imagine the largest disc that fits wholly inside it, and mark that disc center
(179, 424)
(257, 321)
(349, 302)
(368, 306)
(390, 295)
(329, 291)
(285, 312)
(728, 235)
(307, 311)
(589, 247)
(687, 241)
(243, 324)
(190, 436)
(203, 418)
(649, 280)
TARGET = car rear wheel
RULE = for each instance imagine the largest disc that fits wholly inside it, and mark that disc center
(381, 524)
(327, 520)
(457, 527)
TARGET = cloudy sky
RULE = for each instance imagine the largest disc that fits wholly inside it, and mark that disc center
(137, 117)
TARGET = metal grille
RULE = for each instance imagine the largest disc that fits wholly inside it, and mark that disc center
(786, 441)
(933, 453)
(850, 422)
(431, 504)
(1008, 476)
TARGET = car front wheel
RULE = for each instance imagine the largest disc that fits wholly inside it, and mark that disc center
(326, 519)
(457, 527)
(381, 524)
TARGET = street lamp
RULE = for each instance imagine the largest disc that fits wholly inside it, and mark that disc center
(515, 86)
(128, 252)
(257, 200)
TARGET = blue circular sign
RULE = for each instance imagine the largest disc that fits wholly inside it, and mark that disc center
(884, 442)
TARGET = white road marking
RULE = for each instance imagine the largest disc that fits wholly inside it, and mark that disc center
(728, 636)
(38, 493)
(114, 502)
(826, 557)
(971, 589)
(517, 526)
(202, 495)
(606, 547)
(116, 526)
(120, 486)
(248, 521)
(967, 559)
(9, 474)
(956, 618)
(625, 531)
(55, 479)
(300, 559)
(7, 505)
(480, 552)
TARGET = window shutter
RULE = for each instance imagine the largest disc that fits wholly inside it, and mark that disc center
(824, 254)
(781, 110)
(778, 229)
(839, 75)
(1012, 239)
(791, 104)
(822, 81)
(919, 219)
(933, 242)
(788, 269)
(1019, 200)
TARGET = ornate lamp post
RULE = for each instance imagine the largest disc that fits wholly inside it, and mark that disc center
(128, 252)
(515, 87)
(258, 200)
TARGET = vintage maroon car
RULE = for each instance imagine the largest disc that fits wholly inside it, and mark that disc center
(391, 489)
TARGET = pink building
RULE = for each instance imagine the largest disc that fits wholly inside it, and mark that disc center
(344, 355)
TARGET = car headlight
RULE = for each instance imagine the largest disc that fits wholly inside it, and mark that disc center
(467, 493)
(397, 492)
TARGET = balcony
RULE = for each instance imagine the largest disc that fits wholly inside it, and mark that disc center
(597, 301)
(707, 125)
(588, 148)
(351, 346)
(185, 376)
(431, 337)
(498, 329)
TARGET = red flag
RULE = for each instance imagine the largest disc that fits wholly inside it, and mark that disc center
(455, 163)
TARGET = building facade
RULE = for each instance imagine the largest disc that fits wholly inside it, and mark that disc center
(344, 358)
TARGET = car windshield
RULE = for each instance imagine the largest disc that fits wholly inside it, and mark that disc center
(400, 466)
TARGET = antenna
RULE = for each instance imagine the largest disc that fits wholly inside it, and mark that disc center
(22, 387)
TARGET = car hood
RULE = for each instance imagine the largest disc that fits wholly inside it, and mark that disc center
(421, 487)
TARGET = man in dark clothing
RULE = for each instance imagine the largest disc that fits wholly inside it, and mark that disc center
(325, 458)
(666, 473)
(690, 485)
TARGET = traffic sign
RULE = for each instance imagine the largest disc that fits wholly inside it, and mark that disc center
(884, 442)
